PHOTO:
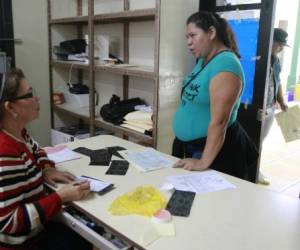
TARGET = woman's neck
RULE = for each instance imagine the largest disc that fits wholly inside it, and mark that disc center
(214, 51)
(14, 129)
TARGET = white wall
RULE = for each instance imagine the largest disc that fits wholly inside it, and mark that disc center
(175, 61)
(30, 25)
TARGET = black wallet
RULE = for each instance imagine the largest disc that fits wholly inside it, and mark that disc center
(118, 167)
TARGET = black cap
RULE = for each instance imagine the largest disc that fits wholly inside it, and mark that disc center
(280, 36)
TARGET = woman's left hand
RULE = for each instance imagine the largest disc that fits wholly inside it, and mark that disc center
(51, 176)
(283, 106)
(191, 164)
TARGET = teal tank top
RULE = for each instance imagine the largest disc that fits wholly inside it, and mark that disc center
(193, 116)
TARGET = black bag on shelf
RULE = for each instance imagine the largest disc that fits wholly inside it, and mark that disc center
(69, 47)
(78, 88)
(61, 53)
(115, 110)
(75, 46)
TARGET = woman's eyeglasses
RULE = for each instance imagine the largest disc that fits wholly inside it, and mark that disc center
(25, 96)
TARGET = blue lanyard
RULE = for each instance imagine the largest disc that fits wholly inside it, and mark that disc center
(191, 79)
(203, 67)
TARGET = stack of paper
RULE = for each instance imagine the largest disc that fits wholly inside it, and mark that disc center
(61, 153)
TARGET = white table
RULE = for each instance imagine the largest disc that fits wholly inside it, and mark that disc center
(247, 217)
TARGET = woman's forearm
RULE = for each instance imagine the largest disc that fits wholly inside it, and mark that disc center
(214, 142)
(280, 98)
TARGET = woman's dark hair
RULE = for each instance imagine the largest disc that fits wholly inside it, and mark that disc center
(204, 20)
(12, 81)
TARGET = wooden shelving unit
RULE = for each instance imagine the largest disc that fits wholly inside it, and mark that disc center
(91, 113)
(156, 66)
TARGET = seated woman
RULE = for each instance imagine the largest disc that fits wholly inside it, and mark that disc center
(25, 210)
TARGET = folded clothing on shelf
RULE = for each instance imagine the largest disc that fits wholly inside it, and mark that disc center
(140, 121)
(137, 124)
(139, 116)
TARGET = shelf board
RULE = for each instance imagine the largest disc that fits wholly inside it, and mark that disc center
(138, 71)
(76, 65)
(125, 16)
(125, 131)
(81, 113)
(70, 20)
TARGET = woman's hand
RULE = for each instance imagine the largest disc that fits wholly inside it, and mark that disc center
(283, 106)
(51, 176)
(191, 164)
(74, 192)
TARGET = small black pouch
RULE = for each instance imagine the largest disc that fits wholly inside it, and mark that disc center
(78, 89)
(100, 157)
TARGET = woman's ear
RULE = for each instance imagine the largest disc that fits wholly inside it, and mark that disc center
(212, 32)
(9, 107)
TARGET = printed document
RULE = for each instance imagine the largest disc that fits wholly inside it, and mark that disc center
(208, 181)
(95, 185)
(147, 159)
(61, 153)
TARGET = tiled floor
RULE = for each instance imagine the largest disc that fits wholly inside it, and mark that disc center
(280, 161)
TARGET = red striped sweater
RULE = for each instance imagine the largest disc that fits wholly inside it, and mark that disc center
(24, 207)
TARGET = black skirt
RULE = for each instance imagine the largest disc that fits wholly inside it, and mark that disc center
(237, 157)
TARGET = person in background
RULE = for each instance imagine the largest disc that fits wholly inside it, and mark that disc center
(205, 126)
(25, 209)
(275, 93)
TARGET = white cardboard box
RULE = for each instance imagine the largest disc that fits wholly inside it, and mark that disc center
(58, 137)
(76, 100)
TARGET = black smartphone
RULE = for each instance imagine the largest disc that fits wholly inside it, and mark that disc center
(180, 203)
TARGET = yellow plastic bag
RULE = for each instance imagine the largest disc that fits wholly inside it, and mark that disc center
(144, 201)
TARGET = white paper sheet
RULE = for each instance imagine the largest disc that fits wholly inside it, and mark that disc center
(61, 153)
(153, 231)
(203, 182)
(95, 185)
(147, 159)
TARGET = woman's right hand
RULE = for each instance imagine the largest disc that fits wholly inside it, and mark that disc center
(191, 164)
(74, 192)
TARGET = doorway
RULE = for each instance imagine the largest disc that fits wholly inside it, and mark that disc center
(251, 114)
(280, 160)
(251, 22)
